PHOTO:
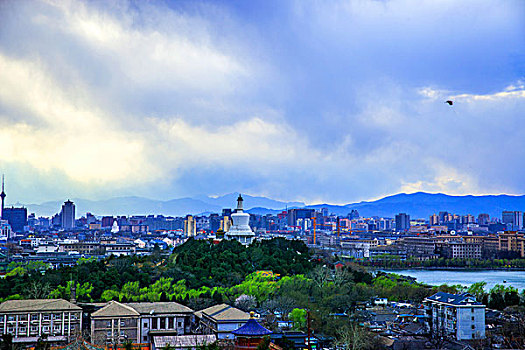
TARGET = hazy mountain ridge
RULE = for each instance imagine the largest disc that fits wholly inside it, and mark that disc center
(418, 205)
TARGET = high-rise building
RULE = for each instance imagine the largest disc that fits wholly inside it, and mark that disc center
(296, 214)
(68, 215)
(17, 218)
(215, 222)
(190, 226)
(483, 219)
(513, 219)
(434, 220)
(402, 222)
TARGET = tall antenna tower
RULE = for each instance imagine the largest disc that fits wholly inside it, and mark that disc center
(2, 196)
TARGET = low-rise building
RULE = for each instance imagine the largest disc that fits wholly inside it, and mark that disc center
(221, 320)
(458, 316)
(28, 320)
(138, 322)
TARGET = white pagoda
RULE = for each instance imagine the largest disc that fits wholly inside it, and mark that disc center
(240, 228)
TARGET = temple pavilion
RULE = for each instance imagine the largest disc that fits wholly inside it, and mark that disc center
(250, 335)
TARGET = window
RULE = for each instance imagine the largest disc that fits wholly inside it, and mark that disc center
(472, 318)
(171, 322)
(108, 334)
(11, 318)
(45, 329)
(473, 327)
(162, 323)
(145, 324)
(108, 324)
(122, 323)
(154, 323)
(179, 324)
(22, 330)
(72, 326)
(34, 329)
(145, 338)
(34, 317)
(121, 333)
(46, 317)
(472, 309)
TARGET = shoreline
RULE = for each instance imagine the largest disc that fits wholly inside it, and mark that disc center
(444, 268)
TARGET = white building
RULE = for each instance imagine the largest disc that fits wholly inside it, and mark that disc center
(221, 320)
(240, 228)
(456, 315)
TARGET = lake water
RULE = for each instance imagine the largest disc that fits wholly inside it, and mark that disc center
(466, 277)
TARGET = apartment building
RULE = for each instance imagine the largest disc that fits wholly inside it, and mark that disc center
(512, 241)
(28, 320)
(462, 250)
(458, 316)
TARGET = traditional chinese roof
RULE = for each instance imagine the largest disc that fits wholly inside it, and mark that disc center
(251, 329)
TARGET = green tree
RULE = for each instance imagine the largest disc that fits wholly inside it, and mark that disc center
(298, 317)
(478, 290)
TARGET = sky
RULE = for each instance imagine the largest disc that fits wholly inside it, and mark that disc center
(318, 101)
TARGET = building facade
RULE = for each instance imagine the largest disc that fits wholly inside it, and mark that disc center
(28, 320)
(17, 218)
(402, 222)
(221, 320)
(458, 316)
(67, 215)
(138, 322)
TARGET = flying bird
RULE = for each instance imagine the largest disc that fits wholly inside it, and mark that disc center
(449, 102)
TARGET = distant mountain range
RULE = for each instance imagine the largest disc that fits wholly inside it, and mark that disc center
(418, 205)
(133, 205)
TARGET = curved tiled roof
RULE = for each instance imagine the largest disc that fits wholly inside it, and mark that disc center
(251, 328)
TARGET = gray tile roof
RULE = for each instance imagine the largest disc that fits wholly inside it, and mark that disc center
(35, 305)
(115, 309)
(159, 308)
(224, 312)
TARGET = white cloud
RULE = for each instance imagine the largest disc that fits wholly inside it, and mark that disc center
(338, 102)
(62, 131)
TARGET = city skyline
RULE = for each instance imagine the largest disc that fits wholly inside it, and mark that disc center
(298, 101)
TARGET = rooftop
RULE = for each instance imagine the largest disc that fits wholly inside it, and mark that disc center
(251, 328)
(37, 305)
(224, 312)
(159, 308)
(454, 299)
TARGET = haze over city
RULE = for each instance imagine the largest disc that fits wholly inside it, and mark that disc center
(299, 100)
